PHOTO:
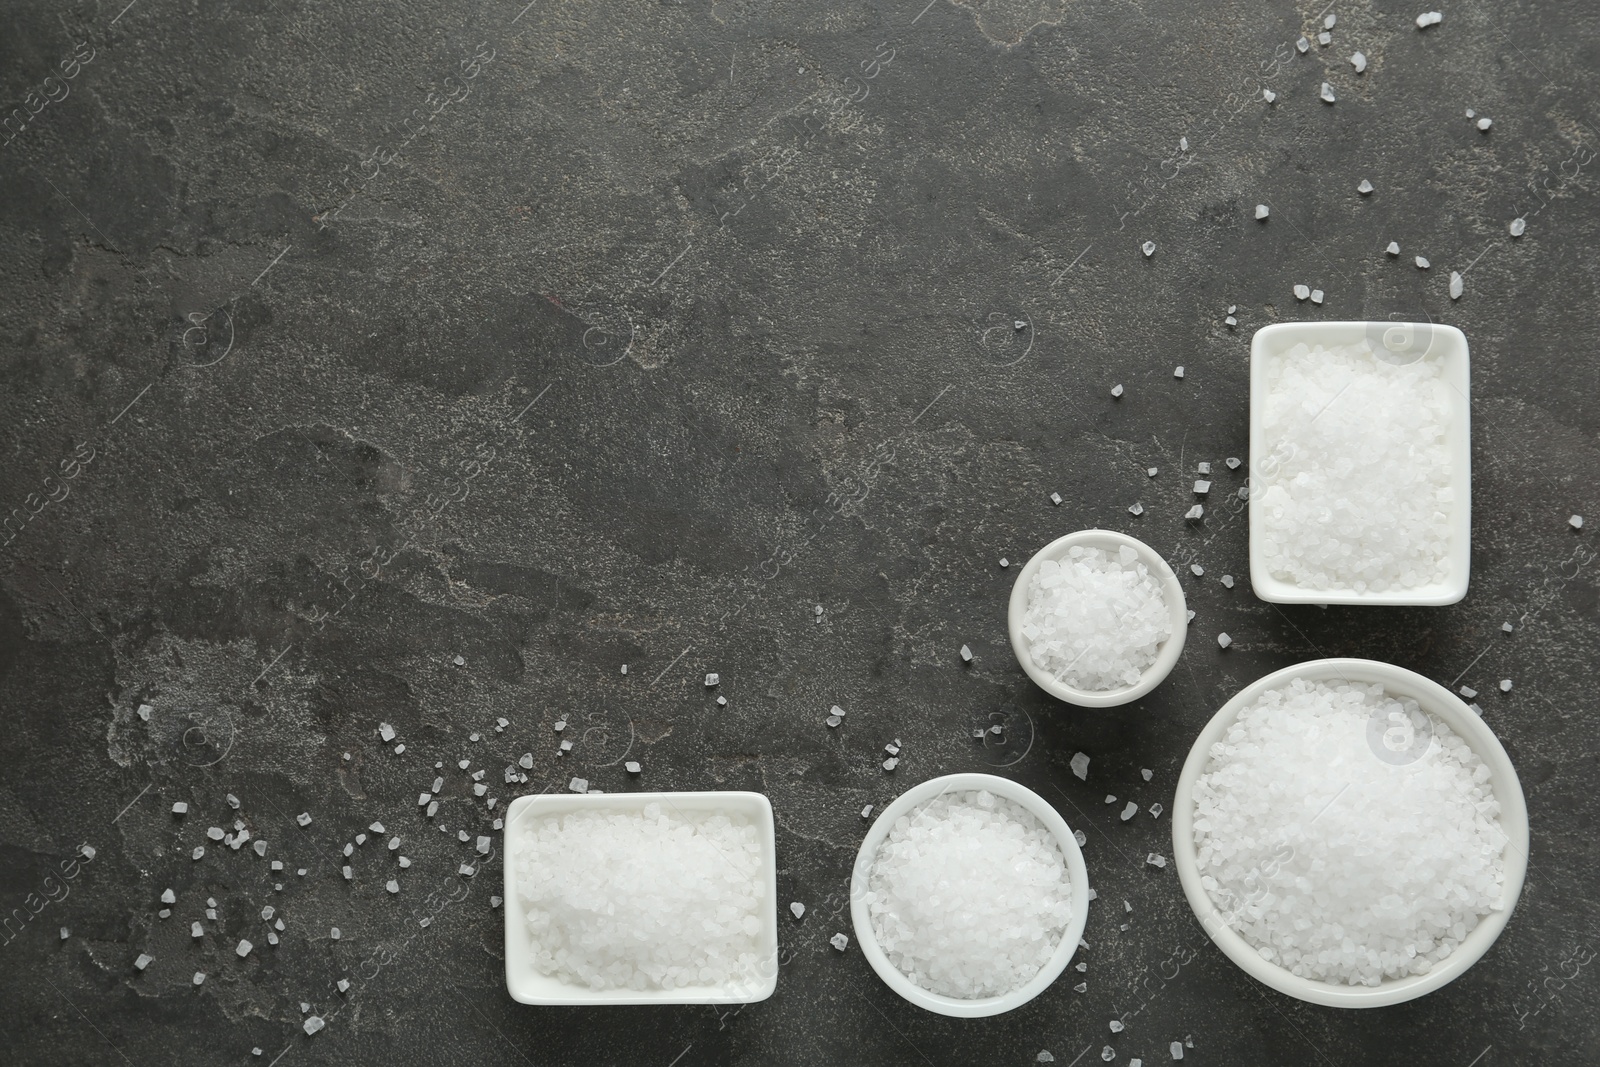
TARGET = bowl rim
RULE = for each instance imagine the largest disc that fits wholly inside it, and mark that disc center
(1166, 657)
(867, 939)
(520, 979)
(1435, 699)
(1457, 358)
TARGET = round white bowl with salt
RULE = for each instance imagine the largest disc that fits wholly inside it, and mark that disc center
(1383, 860)
(1097, 608)
(946, 818)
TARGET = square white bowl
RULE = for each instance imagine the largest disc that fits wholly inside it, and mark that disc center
(528, 986)
(1430, 340)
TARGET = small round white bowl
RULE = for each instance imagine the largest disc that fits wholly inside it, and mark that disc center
(1166, 656)
(1437, 701)
(915, 797)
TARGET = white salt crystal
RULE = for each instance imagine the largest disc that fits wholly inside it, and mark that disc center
(1485, 123)
(1429, 18)
(1108, 1053)
(1130, 811)
(891, 763)
(1262, 211)
(1197, 570)
(1195, 512)
(1457, 286)
(334, 933)
(1116, 1026)
(1055, 498)
(1233, 462)
(1327, 93)
(1227, 581)
(578, 785)
(1346, 834)
(1151, 471)
(1095, 621)
(1156, 809)
(1202, 487)
(1270, 97)
(1004, 562)
(144, 712)
(1044, 1057)
(196, 930)
(143, 961)
(839, 941)
(1136, 508)
(1177, 372)
(1224, 640)
(645, 899)
(243, 948)
(713, 679)
(966, 654)
(385, 732)
(312, 1024)
(1080, 766)
(1303, 45)
(1518, 227)
(180, 808)
(304, 818)
(969, 895)
(1576, 522)
(1364, 499)
(1156, 859)
(1394, 248)
(1359, 62)
(1116, 390)
(1082, 839)
(1505, 685)
(1202, 468)
(1176, 1048)
(1301, 292)
(1316, 296)
(1324, 38)
(199, 977)
(632, 767)
(1149, 249)
(1422, 263)
(866, 812)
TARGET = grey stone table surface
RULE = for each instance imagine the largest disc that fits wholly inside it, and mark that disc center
(423, 364)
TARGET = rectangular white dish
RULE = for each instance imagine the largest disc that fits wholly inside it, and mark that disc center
(1417, 340)
(528, 986)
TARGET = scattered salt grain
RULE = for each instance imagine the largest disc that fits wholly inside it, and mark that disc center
(1196, 512)
(1148, 248)
(1262, 211)
(1485, 123)
(1155, 810)
(1202, 487)
(1116, 390)
(1365, 188)
(243, 948)
(199, 977)
(1316, 296)
(1095, 620)
(312, 1024)
(713, 679)
(578, 785)
(1044, 1057)
(1055, 498)
(1359, 62)
(1576, 522)
(1301, 292)
(966, 654)
(1080, 766)
(1177, 372)
(1429, 18)
(1116, 1026)
(1227, 581)
(1152, 471)
(1518, 226)
(1224, 640)
(1394, 248)
(1197, 570)
(1269, 96)
(1324, 38)
(1176, 1049)
(839, 941)
(632, 767)
(1136, 508)
(1303, 45)
(891, 763)
(1422, 263)
(1156, 859)
(1505, 685)
(1327, 93)
(1130, 811)
(180, 808)
(969, 895)
(143, 961)
(304, 818)
(1233, 462)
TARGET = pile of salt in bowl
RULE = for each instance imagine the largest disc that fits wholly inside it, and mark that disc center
(1346, 834)
(969, 895)
(1095, 619)
(1356, 481)
(655, 899)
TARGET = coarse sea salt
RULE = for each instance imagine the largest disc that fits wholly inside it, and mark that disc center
(1346, 834)
(649, 899)
(1095, 619)
(969, 895)
(1356, 488)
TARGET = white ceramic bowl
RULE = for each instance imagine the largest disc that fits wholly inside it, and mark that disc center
(868, 940)
(1437, 701)
(1407, 341)
(1166, 656)
(530, 987)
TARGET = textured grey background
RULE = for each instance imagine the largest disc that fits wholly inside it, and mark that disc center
(280, 281)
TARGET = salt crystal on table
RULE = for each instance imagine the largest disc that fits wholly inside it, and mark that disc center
(1270, 97)
(1506, 626)
(1429, 18)
(196, 930)
(392, 886)
(1224, 640)
(1044, 1057)
(1359, 61)
(458, 660)
(1262, 211)
(334, 933)
(1156, 859)
(1055, 498)
(180, 808)
(1324, 38)
(1116, 390)
(1202, 468)
(1081, 987)
(405, 862)
(1004, 562)
(1130, 811)
(578, 785)
(1082, 839)
(565, 746)
(1151, 471)
(1394, 248)
(1457, 286)
(1316, 296)
(312, 1024)
(833, 720)
(342, 985)
(722, 701)
(1576, 522)
(1116, 1026)
(891, 763)
(168, 897)
(1080, 766)
(347, 872)
(866, 812)
(1422, 263)
(1156, 810)
(1303, 45)
(713, 679)
(243, 948)
(1176, 1048)
(1110, 799)
(1505, 685)
(385, 732)
(1197, 570)
(143, 961)
(1177, 372)
(199, 977)
(1327, 93)
(1301, 292)
(1230, 321)
(1149, 249)
(1202, 487)
(1233, 462)
(1485, 123)
(1136, 508)
(1518, 227)
(144, 712)
(966, 653)
(1227, 581)
(632, 767)
(304, 818)
(1108, 1053)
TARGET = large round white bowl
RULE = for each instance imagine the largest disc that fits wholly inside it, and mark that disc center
(1437, 701)
(1048, 817)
